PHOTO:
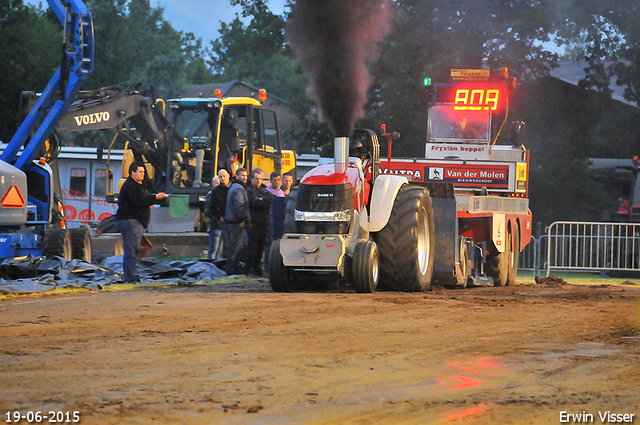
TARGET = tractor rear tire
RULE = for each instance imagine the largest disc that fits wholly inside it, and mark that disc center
(56, 242)
(81, 247)
(365, 267)
(278, 272)
(406, 243)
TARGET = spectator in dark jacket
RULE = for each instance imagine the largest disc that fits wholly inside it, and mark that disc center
(217, 208)
(259, 206)
(287, 183)
(277, 207)
(215, 234)
(133, 217)
(237, 217)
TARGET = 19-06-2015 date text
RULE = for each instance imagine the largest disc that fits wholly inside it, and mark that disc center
(51, 416)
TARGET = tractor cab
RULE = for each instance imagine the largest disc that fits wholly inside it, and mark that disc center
(447, 124)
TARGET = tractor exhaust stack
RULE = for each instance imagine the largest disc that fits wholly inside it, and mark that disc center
(341, 153)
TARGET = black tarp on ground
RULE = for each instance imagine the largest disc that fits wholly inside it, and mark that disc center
(37, 274)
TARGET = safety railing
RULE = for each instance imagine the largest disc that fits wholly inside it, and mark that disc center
(592, 246)
(530, 256)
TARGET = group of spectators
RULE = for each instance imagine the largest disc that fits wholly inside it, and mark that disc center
(245, 215)
(244, 218)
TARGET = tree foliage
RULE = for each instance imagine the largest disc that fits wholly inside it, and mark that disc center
(563, 123)
(28, 58)
(257, 55)
(135, 43)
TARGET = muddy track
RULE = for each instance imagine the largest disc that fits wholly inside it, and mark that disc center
(238, 353)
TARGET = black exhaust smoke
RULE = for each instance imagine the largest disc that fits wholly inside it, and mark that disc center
(333, 41)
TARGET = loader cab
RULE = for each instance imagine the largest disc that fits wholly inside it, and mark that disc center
(229, 133)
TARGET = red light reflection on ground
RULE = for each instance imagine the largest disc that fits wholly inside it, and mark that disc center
(477, 366)
(464, 382)
(482, 365)
(465, 414)
(466, 368)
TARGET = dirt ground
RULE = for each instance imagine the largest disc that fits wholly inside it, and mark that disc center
(237, 353)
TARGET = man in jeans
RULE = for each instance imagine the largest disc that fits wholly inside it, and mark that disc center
(259, 206)
(215, 233)
(217, 208)
(133, 217)
(278, 203)
(237, 217)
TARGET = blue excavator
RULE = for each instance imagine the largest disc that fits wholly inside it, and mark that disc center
(31, 215)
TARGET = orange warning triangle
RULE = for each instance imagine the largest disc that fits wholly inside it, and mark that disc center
(12, 198)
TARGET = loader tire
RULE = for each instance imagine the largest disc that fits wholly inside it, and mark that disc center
(278, 272)
(56, 242)
(81, 246)
(406, 243)
(365, 267)
(498, 265)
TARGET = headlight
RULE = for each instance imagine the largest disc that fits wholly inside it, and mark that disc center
(344, 215)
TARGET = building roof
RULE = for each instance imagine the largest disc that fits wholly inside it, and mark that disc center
(571, 71)
(206, 90)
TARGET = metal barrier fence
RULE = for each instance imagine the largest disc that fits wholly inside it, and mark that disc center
(592, 246)
(529, 258)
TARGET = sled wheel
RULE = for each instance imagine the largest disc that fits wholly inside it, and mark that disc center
(466, 265)
(515, 254)
(498, 265)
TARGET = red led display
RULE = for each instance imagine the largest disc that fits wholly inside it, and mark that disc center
(473, 97)
(476, 99)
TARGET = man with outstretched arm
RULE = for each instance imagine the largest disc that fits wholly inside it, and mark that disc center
(133, 217)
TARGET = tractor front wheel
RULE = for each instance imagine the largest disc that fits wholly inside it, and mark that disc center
(365, 267)
(278, 273)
